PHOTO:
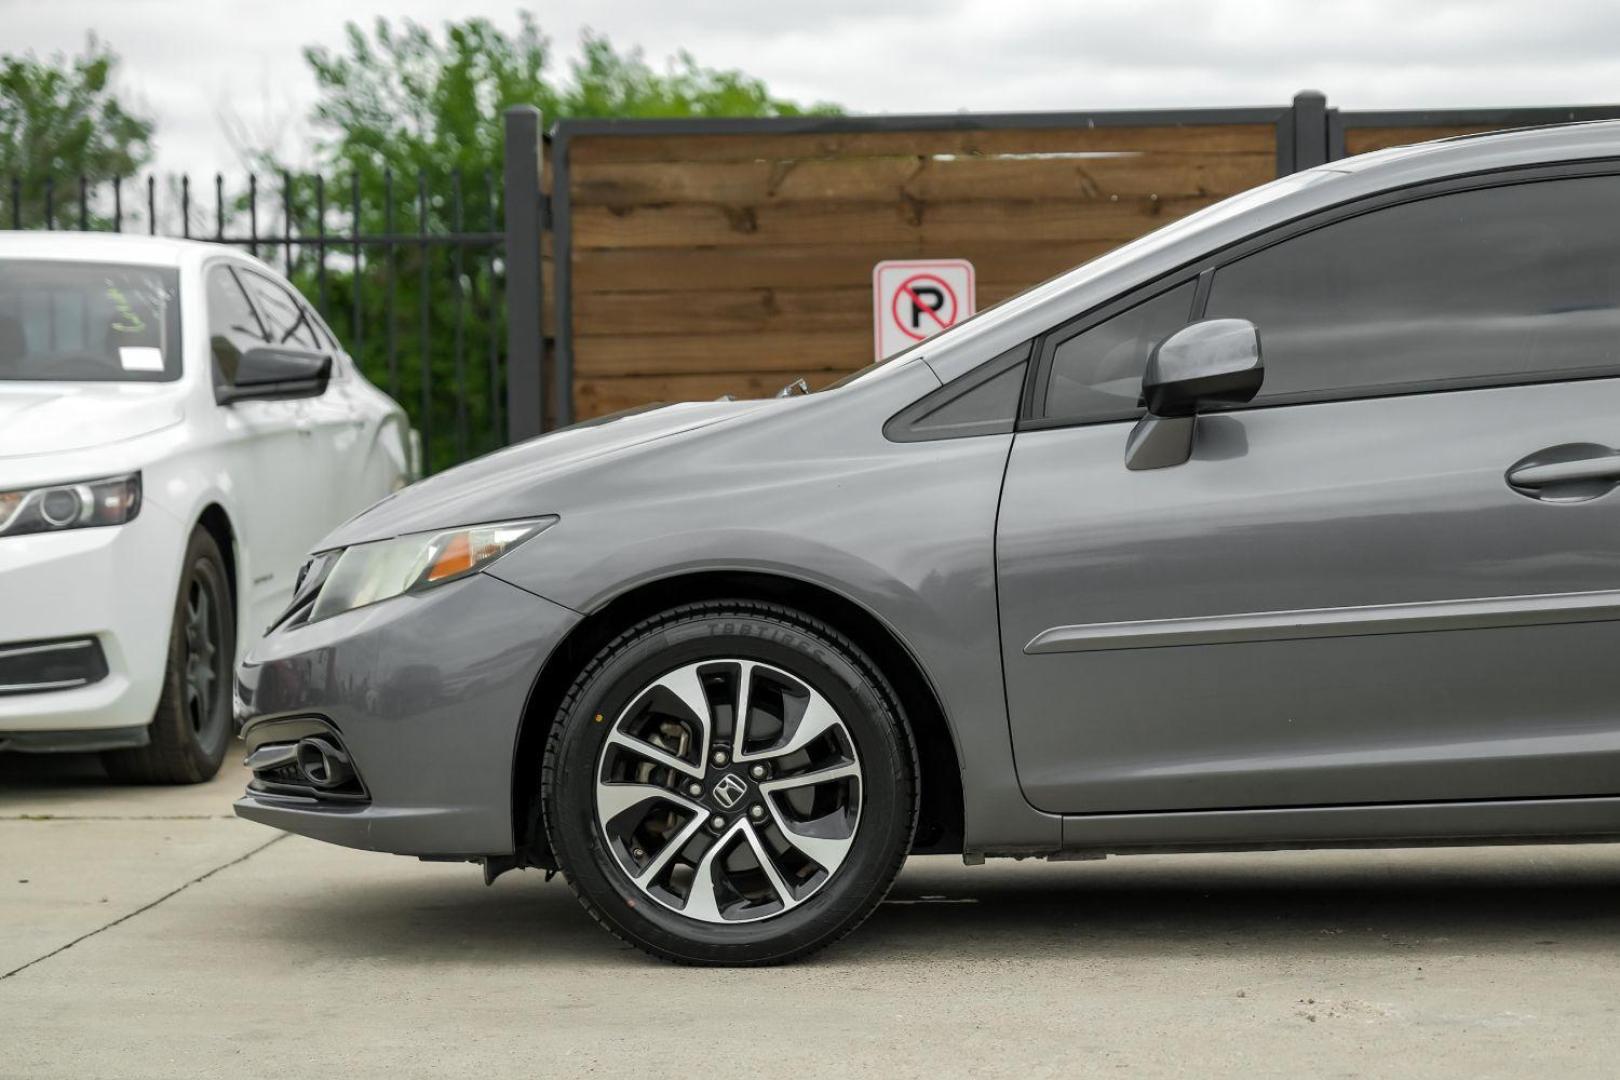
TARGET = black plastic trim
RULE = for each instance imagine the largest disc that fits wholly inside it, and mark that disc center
(1570, 819)
(290, 730)
(1206, 282)
(907, 425)
(50, 666)
(91, 740)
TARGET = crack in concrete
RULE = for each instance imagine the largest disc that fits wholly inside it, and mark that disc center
(145, 907)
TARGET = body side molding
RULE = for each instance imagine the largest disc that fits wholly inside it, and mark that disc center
(1406, 618)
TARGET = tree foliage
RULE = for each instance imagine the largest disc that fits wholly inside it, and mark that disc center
(409, 125)
(402, 109)
(61, 119)
(404, 97)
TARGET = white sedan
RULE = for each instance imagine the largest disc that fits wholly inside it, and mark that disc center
(177, 428)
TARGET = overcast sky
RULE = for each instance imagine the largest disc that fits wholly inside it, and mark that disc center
(196, 64)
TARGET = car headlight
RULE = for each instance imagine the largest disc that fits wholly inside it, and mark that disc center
(367, 573)
(81, 504)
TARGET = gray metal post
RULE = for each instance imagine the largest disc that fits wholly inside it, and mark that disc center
(525, 343)
(561, 222)
(1310, 129)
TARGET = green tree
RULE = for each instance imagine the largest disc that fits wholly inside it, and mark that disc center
(403, 98)
(60, 119)
(401, 105)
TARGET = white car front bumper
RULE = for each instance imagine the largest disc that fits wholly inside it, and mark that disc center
(115, 586)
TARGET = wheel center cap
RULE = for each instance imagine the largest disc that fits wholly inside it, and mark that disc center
(728, 792)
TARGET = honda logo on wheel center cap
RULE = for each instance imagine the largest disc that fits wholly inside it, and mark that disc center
(729, 790)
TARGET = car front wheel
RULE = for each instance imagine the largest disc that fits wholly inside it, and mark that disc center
(192, 724)
(730, 783)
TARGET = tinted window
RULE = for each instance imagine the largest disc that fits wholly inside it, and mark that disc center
(233, 327)
(1506, 284)
(1097, 374)
(88, 322)
(284, 313)
(322, 331)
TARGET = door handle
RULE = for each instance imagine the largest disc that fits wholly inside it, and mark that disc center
(1598, 468)
(1572, 472)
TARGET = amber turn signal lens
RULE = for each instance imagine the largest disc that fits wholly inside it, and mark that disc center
(455, 558)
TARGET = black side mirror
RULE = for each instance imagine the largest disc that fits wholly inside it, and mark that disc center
(1214, 362)
(267, 372)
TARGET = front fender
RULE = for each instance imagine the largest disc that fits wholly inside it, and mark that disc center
(904, 531)
(184, 486)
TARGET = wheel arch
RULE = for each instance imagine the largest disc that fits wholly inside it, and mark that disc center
(940, 816)
(217, 523)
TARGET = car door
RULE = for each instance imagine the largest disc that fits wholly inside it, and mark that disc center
(1394, 578)
(265, 453)
(358, 435)
(324, 491)
(343, 429)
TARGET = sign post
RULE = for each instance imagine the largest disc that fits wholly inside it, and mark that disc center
(914, 299)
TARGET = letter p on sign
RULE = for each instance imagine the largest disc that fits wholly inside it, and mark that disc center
(914, 299)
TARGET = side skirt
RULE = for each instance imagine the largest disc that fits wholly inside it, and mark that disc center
(1507, 821)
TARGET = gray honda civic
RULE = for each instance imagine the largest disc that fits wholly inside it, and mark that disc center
(1092, 573)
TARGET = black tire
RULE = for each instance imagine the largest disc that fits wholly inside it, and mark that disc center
(192, 726)
(808, 650)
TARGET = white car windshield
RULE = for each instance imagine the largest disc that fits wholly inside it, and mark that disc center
(88, 322)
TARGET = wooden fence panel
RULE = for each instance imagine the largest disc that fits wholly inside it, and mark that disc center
(715, 263)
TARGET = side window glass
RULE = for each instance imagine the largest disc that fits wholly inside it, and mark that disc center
(322, 331)
(284, 314)
(329, 341)
(1097, 373)
(233, 326)
(1500, 284)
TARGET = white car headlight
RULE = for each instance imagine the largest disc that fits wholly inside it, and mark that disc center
(367, 573)
(81, 504)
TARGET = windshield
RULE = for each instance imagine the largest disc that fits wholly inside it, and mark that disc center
(88, 322)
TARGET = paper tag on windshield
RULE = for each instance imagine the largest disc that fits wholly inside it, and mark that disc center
(140, 358)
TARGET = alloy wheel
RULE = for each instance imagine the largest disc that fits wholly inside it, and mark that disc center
(201, 674)
(728, 791)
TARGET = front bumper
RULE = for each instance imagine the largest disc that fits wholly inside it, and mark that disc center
(426, 693)
(114, 586)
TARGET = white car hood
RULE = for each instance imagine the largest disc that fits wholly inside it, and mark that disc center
(55, 418)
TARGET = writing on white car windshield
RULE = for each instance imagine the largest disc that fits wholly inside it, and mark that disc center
(88, 322)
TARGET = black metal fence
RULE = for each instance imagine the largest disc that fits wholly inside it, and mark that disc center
(433, 281)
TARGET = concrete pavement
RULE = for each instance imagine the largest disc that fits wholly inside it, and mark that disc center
(149, 934)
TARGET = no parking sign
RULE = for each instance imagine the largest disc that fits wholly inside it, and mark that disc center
(914, 299)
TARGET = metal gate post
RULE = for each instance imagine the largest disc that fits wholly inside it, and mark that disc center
(1309, 118)
(525, 343)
